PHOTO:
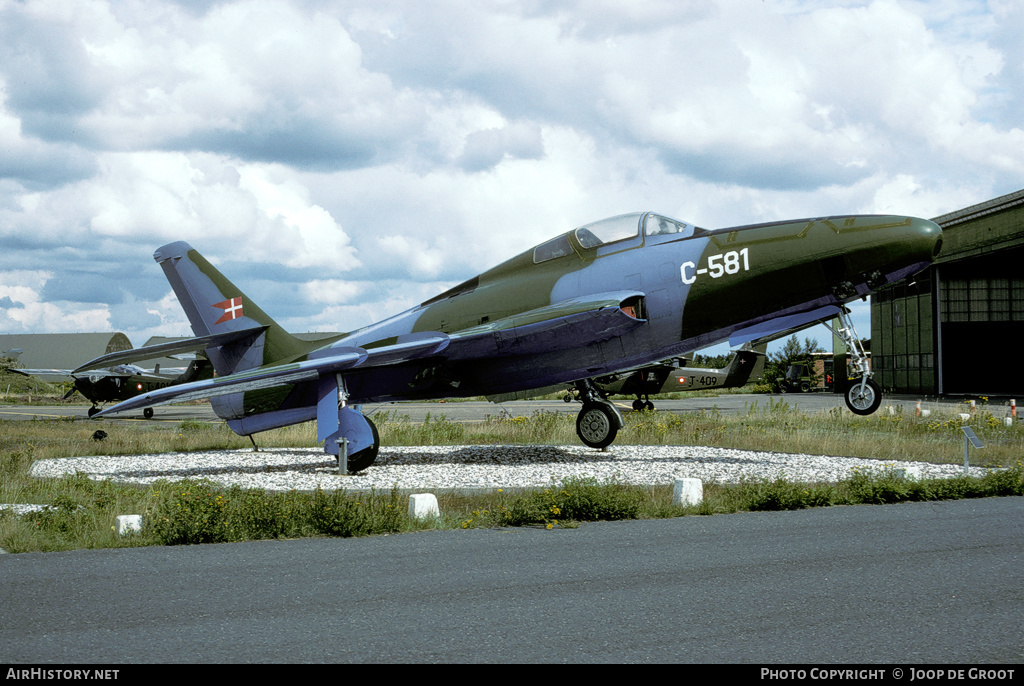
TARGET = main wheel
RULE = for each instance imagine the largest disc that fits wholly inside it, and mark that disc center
(357, 462)
(596, 425)
(866, 401)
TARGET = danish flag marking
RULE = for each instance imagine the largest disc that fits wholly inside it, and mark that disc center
(232, 309)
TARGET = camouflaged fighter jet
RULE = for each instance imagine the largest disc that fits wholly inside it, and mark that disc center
(617, 294)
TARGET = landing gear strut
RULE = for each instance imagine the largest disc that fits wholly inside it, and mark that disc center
(863, 395)
(336, 420)
(599, 421)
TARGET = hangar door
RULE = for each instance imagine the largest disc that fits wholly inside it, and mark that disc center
(981, 325)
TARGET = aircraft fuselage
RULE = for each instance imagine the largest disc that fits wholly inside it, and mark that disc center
(697, 288)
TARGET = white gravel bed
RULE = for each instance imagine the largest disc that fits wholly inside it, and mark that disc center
(20, 509)
(466, 467)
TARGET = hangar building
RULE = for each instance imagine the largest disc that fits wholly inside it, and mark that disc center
(954, 329)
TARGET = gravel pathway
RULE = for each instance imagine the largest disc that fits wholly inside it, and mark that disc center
(466, 467)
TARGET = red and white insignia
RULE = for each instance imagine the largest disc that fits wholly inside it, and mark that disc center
(232, 309)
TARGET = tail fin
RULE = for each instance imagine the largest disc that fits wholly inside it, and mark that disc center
(747, 363)
(215, 305)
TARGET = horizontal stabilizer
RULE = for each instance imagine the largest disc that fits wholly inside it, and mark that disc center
(783, 325)
(165, 349)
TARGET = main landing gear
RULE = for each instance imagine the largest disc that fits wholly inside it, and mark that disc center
(599, 421)
(639, 405)
(342, 427)
(863, 395)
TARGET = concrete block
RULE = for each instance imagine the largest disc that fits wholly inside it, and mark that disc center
(688, 492)
(423, 505)
(910, 471)
(128, 524)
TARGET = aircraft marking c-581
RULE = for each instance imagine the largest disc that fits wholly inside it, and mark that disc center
(614, 295)
(719, 265)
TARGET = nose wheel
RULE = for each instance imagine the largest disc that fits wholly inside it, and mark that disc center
(863, 397)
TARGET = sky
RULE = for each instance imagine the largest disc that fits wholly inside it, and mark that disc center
(344, 161)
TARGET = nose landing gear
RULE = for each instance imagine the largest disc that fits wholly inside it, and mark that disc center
(863, 396)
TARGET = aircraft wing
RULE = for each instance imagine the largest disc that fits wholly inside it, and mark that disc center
(558, 326)
(779, 326)
(47, 375)
(166, 349)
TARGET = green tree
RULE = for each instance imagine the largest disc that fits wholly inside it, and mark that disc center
(793, 352)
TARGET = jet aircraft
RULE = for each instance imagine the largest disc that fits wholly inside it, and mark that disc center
(617, 294)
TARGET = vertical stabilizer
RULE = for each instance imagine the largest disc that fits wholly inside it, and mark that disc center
(215, 305)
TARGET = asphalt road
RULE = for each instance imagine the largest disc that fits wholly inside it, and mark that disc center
(931, 583)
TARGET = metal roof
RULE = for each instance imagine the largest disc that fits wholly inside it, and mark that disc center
(988, 207)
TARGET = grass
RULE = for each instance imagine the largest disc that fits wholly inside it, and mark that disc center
(82, 511)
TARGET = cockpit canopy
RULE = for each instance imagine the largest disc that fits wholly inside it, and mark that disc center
(613, 230)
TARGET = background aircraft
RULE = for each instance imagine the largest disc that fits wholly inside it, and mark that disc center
(120, 382)
(669, 377)
(617, 294)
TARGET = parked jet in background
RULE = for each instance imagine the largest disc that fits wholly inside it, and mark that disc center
(617, 294)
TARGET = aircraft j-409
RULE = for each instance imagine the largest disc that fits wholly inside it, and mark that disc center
(674, 375)
(621, 293)
(120, 382)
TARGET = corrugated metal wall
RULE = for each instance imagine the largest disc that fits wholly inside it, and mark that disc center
(954, 329)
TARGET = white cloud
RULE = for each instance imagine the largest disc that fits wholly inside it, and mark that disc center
(24, 311)
(426, 142)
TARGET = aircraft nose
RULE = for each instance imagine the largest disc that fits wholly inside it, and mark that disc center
(911, 247)
(928, 234)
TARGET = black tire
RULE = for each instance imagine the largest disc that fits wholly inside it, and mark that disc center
(93, 410)
(866, 402)
(649, 406)
(597, 425)
(638, 405)
(357, 462)
(148, 413)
